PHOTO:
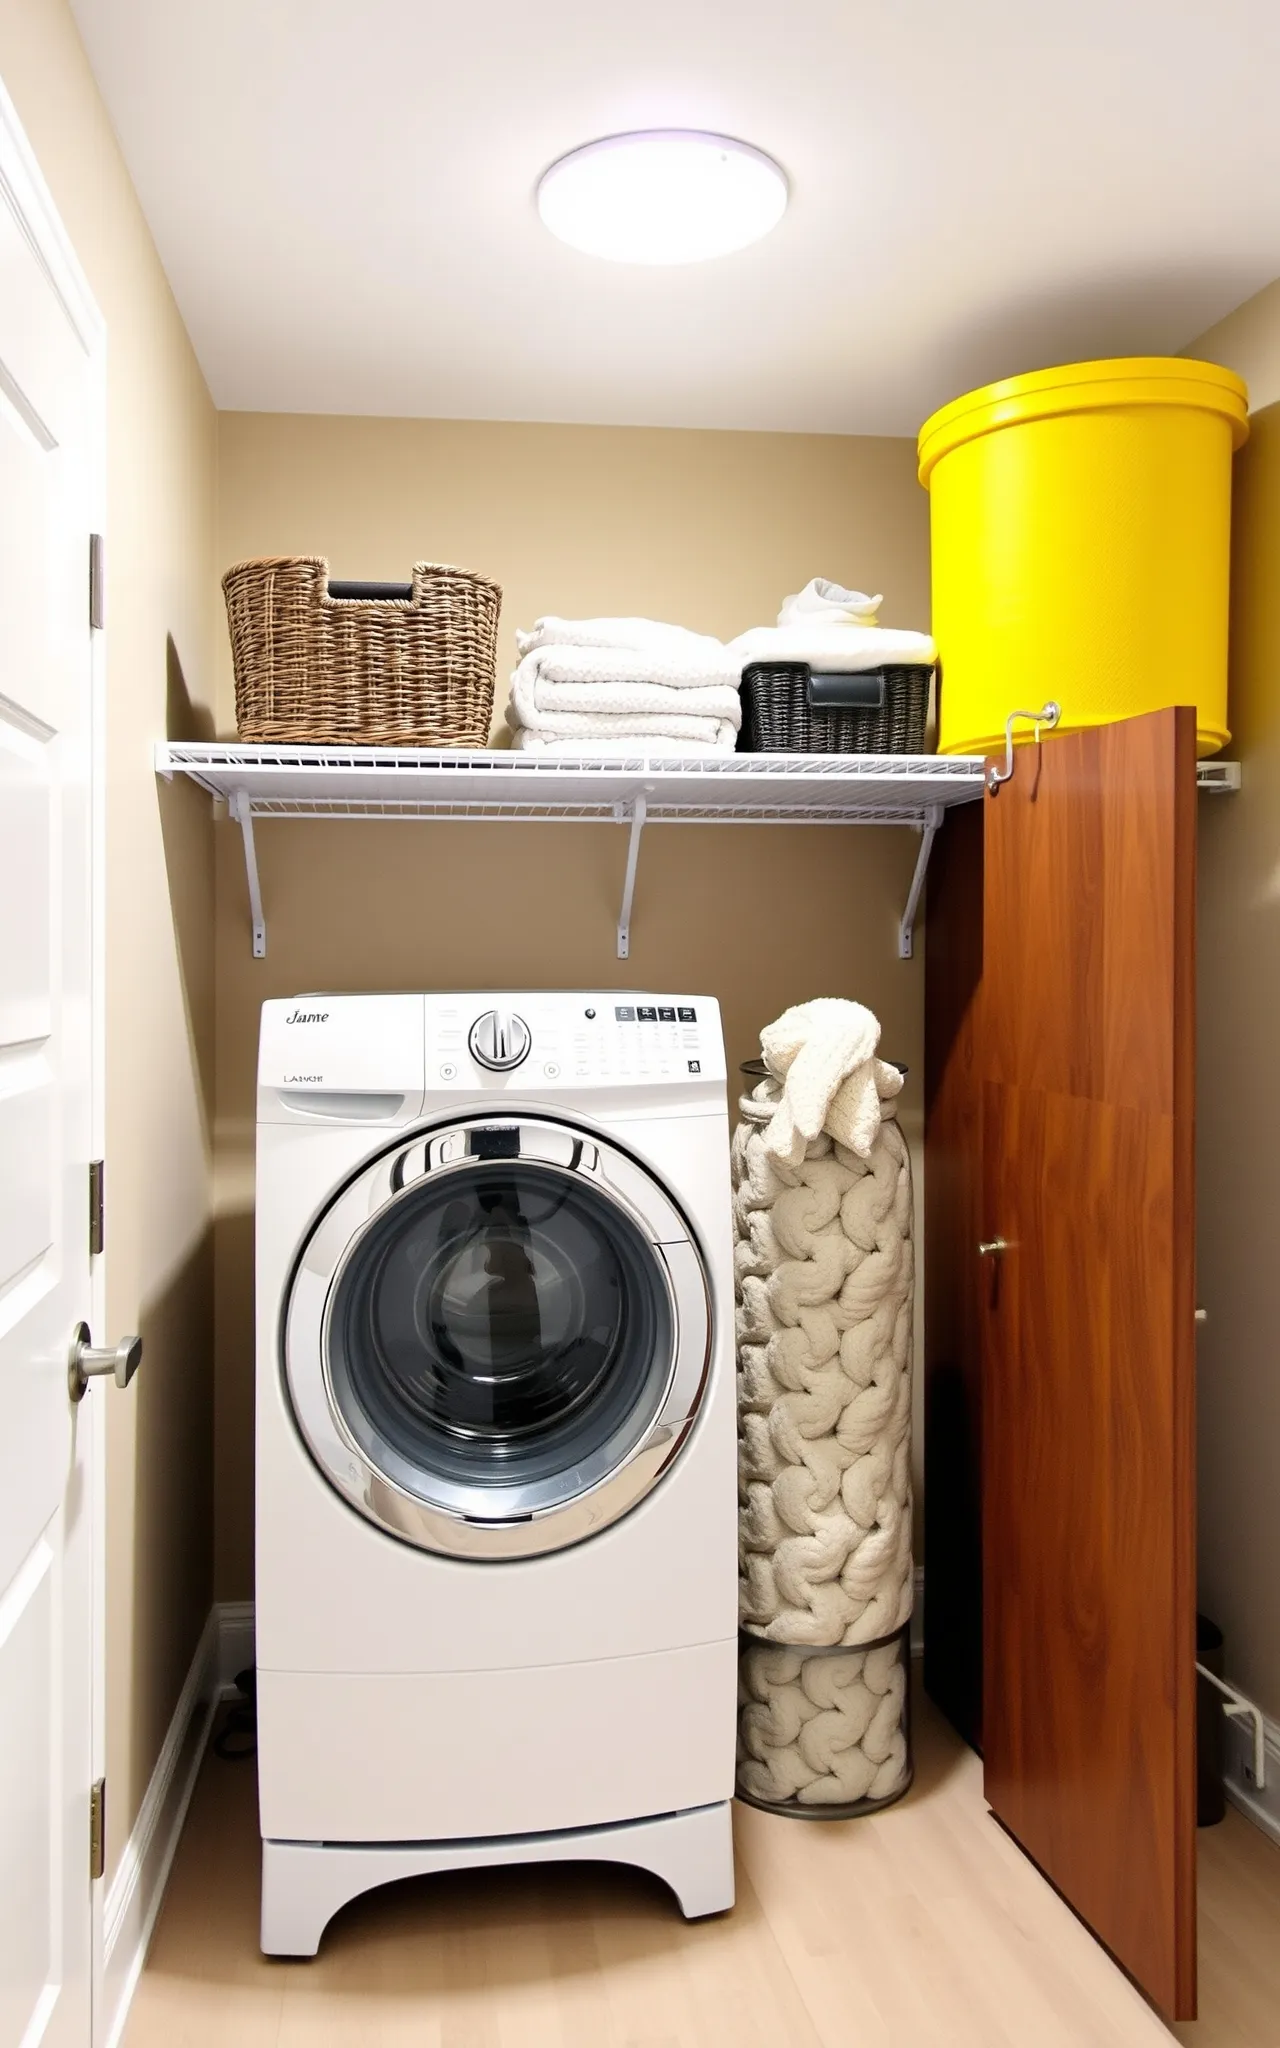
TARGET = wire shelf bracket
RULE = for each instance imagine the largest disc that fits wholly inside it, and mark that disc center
(242, 811)
(635, 816)
(928, 833)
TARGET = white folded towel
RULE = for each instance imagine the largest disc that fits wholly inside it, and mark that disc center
(646, 636)
(696, 665)
(823, 1053)
(831, 650)
(829, 604)
(532, 694)
(541, 701)
(586, 725)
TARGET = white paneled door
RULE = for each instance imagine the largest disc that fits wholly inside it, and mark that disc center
(51, 397)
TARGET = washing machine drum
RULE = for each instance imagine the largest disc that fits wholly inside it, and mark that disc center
(497, 1336)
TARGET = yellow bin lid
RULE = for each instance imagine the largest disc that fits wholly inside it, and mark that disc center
(1084, 387)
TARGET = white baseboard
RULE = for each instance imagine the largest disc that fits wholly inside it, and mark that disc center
(136, 1889)
(1262, 1807)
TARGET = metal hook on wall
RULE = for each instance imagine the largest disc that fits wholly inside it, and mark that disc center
(1047, 717)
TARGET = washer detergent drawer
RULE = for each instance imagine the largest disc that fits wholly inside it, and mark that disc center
(400, 1758)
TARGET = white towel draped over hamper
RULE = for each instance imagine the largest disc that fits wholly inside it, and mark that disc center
(824, 1274)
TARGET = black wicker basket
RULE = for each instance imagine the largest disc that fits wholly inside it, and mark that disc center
(787, 709)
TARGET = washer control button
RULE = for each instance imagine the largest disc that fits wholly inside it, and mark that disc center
(552, 1071)
(499, 1040)
(448, 1071)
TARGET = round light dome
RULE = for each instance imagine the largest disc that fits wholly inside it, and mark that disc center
(667, 195)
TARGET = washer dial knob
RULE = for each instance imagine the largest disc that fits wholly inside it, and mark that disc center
(499, 1040)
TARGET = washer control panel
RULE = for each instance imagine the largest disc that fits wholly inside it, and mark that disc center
(603, 1038)
(372, 1057)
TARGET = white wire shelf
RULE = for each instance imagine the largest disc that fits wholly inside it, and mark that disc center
(323, 782)
(634, 790)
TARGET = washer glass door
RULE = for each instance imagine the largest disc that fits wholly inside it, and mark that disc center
(500, 1342)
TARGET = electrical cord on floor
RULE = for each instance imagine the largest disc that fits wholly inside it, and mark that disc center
(237, 1739)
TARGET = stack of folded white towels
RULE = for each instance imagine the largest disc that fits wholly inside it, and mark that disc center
(623, 686)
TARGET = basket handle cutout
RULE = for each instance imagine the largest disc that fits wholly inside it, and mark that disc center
(861, 691)
(401, 593)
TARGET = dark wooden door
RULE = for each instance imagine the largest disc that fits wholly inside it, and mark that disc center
(1087, 1326)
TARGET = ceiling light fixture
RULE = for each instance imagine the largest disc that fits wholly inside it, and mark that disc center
(664, 195)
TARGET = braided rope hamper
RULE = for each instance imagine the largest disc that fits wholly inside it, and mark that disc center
(412, 666)
(824, 1277)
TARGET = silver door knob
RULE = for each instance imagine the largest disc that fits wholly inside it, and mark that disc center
(499, 1040)
(992, 1248)
(84, 1363)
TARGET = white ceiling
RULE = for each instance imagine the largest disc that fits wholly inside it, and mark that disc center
(343, 196)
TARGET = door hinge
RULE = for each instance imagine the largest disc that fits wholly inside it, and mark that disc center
(97, 583)
(96, 1206)
(97, 1828)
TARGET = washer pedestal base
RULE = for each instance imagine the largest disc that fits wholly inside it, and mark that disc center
(304, 1883)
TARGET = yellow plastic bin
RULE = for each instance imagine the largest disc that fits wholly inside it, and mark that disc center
(1081, 524)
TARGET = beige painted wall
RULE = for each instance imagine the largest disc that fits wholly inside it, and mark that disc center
(1248, 342)
(159, 994)
(711, 529)
(1239, 1097)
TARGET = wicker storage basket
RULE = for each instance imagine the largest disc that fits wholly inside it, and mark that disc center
(362, 664)
(787, 709)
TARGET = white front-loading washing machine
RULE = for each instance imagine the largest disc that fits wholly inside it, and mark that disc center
(496, 1494)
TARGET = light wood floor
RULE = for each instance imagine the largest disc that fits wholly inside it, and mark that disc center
(921, 1928)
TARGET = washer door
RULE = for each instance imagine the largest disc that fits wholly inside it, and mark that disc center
(497, 1337)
